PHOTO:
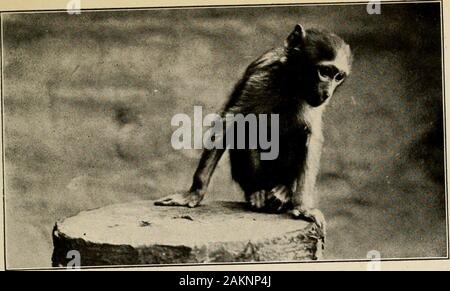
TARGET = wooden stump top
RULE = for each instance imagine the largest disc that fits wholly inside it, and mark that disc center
(141, 233)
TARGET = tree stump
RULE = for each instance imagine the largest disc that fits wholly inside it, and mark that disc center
(140, 233)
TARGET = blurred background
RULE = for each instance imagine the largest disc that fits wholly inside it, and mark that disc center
(88, 101)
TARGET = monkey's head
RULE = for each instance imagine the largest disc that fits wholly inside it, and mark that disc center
(323, 62)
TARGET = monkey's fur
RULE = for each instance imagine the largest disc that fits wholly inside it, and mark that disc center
(296, 82)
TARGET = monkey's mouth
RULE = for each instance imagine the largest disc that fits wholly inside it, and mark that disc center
(316, 100)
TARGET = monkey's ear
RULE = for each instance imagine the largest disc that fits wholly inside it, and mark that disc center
(296, 39)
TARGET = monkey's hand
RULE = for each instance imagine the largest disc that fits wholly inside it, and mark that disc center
(314, 215)
(188, 199)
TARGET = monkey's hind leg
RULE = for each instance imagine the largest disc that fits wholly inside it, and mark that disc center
(277, 200)
(257, 199)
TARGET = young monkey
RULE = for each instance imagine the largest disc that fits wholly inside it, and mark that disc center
(296, 82)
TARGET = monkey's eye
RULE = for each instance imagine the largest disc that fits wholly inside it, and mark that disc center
(324, 71)
(339, 77)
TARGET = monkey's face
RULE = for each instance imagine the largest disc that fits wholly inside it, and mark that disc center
(325, 62)
(328, 79)
(328, 76)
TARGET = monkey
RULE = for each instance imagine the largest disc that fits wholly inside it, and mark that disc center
(295, 81)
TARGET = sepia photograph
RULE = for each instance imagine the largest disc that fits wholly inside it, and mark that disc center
(224, 135)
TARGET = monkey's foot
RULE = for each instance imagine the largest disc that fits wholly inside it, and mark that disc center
(187, 199)
(278, 199)
(314, 215)
(257, 199)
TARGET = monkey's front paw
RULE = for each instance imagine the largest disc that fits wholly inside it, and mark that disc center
(189, 199)
(314, 215)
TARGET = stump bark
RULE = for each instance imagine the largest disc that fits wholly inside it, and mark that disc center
(140, 233)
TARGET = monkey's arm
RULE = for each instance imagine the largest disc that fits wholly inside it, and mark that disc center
(303, 196)
(205, 169)
(202, 177)
(306, 181)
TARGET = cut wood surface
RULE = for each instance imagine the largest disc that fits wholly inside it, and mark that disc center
(140, 233)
